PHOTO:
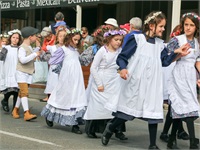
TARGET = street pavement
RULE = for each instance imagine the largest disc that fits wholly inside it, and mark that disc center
(16, 134)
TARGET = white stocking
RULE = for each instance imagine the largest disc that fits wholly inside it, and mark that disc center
(24, 101)
(18, 102)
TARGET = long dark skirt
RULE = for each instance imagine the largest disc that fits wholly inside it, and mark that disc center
(98, 126)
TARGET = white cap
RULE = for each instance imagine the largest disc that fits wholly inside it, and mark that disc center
(111, 21)
(46, 31)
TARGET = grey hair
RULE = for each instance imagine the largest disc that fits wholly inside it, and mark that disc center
(136, 22)
(59, 16)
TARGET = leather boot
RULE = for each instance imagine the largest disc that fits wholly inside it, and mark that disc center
(172, 142)
(15, 113)
(28, 116)
(5, 105)
(193, 143)
(107, 134)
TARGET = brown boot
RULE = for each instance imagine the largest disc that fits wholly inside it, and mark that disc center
(15, 113)
(28, 116)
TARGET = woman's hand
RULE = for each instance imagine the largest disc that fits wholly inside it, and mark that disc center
(100, 88)
(124, 74)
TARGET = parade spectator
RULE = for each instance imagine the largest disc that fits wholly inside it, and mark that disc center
(135, 27)
(126, 27)
(49, 38)
(86, 40)
(58, 18)
(111, 22)
(61, 24)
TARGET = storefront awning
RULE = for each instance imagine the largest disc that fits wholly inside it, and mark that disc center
(8, 5)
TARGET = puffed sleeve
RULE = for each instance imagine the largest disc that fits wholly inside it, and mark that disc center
(86, 56)
(127, 51)
(173, 44)
(95, 65)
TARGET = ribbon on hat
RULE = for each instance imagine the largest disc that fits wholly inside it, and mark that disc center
(14, 31)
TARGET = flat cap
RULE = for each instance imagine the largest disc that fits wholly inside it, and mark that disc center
(28, 31)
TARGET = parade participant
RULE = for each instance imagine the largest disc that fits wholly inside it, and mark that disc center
(25, 69)
(140, 65)
(8, 82)
(52, 78)
(112, 23)
(67, 102)
(167, 71)
(105, 83)
(182, 84)
(3, 40)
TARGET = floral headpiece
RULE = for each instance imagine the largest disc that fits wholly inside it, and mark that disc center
(191, 14)
(114, 32)
(75, 30)
(14, 31)
(173, 34)
(4, 35)
(103, 27)
(152, 17)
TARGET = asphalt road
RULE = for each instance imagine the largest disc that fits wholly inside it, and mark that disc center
(16, 134)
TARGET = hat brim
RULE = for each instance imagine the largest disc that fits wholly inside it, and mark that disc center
(35, 31)
(111, 23)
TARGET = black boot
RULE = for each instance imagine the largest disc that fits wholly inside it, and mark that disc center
(164, 137)
(183, 135)
(5, 106)
(120, 135)
(107, 134)
(76, 129)
(49, 123)
(194, 143)
(153, 147)
(172, 143)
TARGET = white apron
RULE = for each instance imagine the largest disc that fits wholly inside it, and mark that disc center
(182, 89)
(70, 90)
(110, 78)
(141, 94)
(52, 78)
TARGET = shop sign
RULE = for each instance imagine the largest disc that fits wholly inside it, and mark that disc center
(32, 4)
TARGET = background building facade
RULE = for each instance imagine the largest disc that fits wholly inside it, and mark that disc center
(90, 13)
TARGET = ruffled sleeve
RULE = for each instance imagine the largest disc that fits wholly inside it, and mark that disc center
(87, 56)
(57, 57)
(173, 44)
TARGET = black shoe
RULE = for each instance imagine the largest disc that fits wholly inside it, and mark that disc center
(121, 136)
(153, 147)
(49, 123)
(196, 140)
(92, 135)
(5, 106)
(164, 137)
(75, 129)
(107, 134)
(183, 135)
